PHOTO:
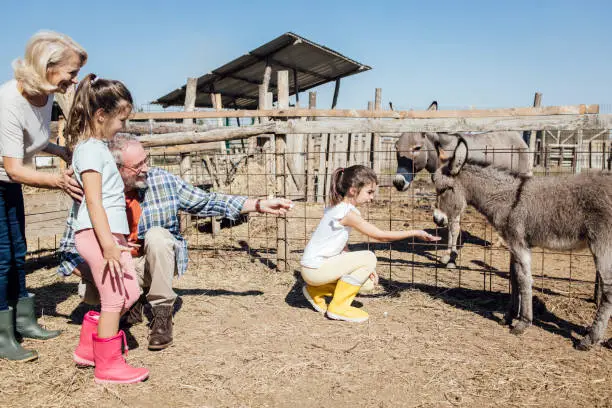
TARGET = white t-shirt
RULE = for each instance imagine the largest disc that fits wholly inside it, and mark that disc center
(330, 237)
(24, 128)
(93, 154)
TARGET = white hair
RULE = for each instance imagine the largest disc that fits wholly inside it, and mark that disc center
(44, 50)
(118, 144)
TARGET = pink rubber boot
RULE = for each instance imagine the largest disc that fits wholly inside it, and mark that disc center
(84, 355)
(111, 366)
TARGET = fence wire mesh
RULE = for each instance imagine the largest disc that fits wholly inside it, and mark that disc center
(249, 168)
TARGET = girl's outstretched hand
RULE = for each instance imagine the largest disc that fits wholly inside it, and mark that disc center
(426, 236)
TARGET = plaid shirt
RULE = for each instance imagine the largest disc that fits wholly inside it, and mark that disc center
(161, 201)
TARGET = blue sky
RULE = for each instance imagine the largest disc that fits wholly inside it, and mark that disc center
(484, 54)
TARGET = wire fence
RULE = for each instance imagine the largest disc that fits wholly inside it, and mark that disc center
(251, 169)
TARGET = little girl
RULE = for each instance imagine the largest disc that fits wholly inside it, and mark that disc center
(328, 268)
(99, 111)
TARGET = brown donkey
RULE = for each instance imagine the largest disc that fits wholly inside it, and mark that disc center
(561, 213)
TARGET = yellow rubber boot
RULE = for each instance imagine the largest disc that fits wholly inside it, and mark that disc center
(340, 307)
(316, 295)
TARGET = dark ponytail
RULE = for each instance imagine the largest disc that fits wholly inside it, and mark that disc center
(343, 179)
(92, 94)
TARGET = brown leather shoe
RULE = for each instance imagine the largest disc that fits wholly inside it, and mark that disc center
(160, 335)
(135, 315)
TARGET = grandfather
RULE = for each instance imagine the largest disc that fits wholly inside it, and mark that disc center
(154, 198)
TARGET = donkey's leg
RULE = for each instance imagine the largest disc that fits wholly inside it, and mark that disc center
(524, 282)
(598, 289)
(604, 311)
(450, 259)
(513, 306)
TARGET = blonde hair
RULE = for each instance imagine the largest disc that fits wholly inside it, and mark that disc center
(44, 50)
(93, 94)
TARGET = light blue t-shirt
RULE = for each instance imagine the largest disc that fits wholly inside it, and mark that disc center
(93, 154)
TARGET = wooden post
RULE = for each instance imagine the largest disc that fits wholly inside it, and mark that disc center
(185, 165)
(266, 77)
(376, 145)
(190, 98)
(322, 176)
(283, 103)
(336, 92)
(372, 145)
(291, 145)
(215, 100)
(310, 193)
(296, 88)
(377, 99)
(281, 178)
(537, 102)
(269, 145)
(262, 102)
(578, 151)
(218, 105)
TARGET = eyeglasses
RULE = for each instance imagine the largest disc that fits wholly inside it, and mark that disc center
(138, 168)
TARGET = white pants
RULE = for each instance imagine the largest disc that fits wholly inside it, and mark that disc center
(354, 267)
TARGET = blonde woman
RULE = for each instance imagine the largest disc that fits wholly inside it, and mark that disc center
(50, 65)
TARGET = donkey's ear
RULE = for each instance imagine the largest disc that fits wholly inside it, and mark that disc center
(433, 106)
(459, 157)
(433, 137)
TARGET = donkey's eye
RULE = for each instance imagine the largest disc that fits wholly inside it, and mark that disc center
(416, 148)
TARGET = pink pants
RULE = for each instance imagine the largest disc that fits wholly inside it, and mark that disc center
(114, 296)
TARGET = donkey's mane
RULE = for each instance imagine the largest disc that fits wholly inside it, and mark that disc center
(486, 165)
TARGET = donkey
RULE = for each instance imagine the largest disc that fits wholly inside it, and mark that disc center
(416, 151)
(560, 213)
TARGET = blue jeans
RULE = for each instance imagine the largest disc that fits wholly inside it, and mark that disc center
(12, 244)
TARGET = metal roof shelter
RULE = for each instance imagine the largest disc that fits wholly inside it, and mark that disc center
(309, 65)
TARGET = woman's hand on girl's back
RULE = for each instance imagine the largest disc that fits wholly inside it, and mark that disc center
(69, 185)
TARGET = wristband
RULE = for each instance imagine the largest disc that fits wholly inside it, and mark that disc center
(258, 205)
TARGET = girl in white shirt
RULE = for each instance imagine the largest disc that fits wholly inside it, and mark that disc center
(99, 112)
(328, 268)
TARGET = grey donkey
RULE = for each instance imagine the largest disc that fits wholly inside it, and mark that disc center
(417, 151)
(561, 213)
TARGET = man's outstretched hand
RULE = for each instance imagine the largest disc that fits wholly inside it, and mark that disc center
(275, 206)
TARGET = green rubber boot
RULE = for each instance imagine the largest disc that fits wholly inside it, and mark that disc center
(9, 348)
(26, 324)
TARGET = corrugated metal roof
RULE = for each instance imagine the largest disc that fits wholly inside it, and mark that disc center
(238, 81)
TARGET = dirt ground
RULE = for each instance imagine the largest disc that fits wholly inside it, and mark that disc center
(245, 337)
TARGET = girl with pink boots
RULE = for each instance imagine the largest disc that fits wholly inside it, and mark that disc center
(328, 267)
(99, 112)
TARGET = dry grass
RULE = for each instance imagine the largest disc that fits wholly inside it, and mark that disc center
(244, 336)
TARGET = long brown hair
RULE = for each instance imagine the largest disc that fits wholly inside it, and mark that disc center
(93, 94)
(343, 179)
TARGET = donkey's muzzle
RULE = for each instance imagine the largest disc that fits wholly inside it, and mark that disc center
(400, 183)
(439, 218)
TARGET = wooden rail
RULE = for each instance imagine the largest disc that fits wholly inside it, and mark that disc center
(292, 126)
(352, 113)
